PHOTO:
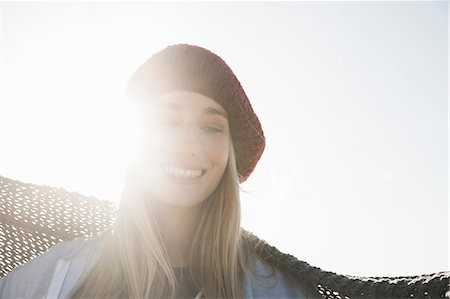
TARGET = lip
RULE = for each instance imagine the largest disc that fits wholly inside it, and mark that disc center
(186, 167)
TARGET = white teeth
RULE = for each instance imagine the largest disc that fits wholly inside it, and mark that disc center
(183, 173)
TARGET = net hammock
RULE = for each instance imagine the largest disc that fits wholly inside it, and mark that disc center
(34, 218)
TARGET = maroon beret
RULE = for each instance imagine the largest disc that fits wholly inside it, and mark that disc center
(192, 68)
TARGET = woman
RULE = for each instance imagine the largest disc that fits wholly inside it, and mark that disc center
(177, 234)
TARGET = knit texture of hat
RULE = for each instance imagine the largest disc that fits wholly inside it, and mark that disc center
(192, 68)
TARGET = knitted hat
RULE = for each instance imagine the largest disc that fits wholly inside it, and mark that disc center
(192, 68)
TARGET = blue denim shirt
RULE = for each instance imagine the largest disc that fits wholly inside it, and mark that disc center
(54, 274)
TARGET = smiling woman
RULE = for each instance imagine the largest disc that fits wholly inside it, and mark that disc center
(189, 159)
(177, 233)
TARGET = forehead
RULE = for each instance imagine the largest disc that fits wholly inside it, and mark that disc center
(190, 102)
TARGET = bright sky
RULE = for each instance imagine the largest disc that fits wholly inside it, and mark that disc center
(353, 98)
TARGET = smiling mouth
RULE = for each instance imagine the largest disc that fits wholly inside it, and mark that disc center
(183, 173)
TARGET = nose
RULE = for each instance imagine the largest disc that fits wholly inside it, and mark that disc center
(187, 142)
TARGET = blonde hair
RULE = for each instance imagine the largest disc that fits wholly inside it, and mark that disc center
(135, 262)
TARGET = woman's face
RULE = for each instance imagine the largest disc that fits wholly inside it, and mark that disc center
(186, 148)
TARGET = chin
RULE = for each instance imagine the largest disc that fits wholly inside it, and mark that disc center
(177, 200)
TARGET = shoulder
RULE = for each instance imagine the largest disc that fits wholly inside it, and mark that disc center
(264, 280)
(271, 273)
(60, 250)
(33, 277)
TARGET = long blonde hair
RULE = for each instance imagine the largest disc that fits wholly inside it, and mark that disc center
(135, 262)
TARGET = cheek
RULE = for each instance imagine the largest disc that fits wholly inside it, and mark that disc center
(219, 151)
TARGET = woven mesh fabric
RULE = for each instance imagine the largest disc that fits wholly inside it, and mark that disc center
(335, 286)
(34, 218)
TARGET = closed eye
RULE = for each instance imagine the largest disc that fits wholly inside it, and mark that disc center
(168, 123)
(212, 130)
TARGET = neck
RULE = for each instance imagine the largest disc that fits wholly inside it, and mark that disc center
(177, 226)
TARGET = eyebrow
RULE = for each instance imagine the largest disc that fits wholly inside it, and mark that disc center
(208, 110)
(171, 106)
(215, 111)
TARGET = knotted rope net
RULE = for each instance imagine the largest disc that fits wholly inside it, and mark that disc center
(34, 218)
